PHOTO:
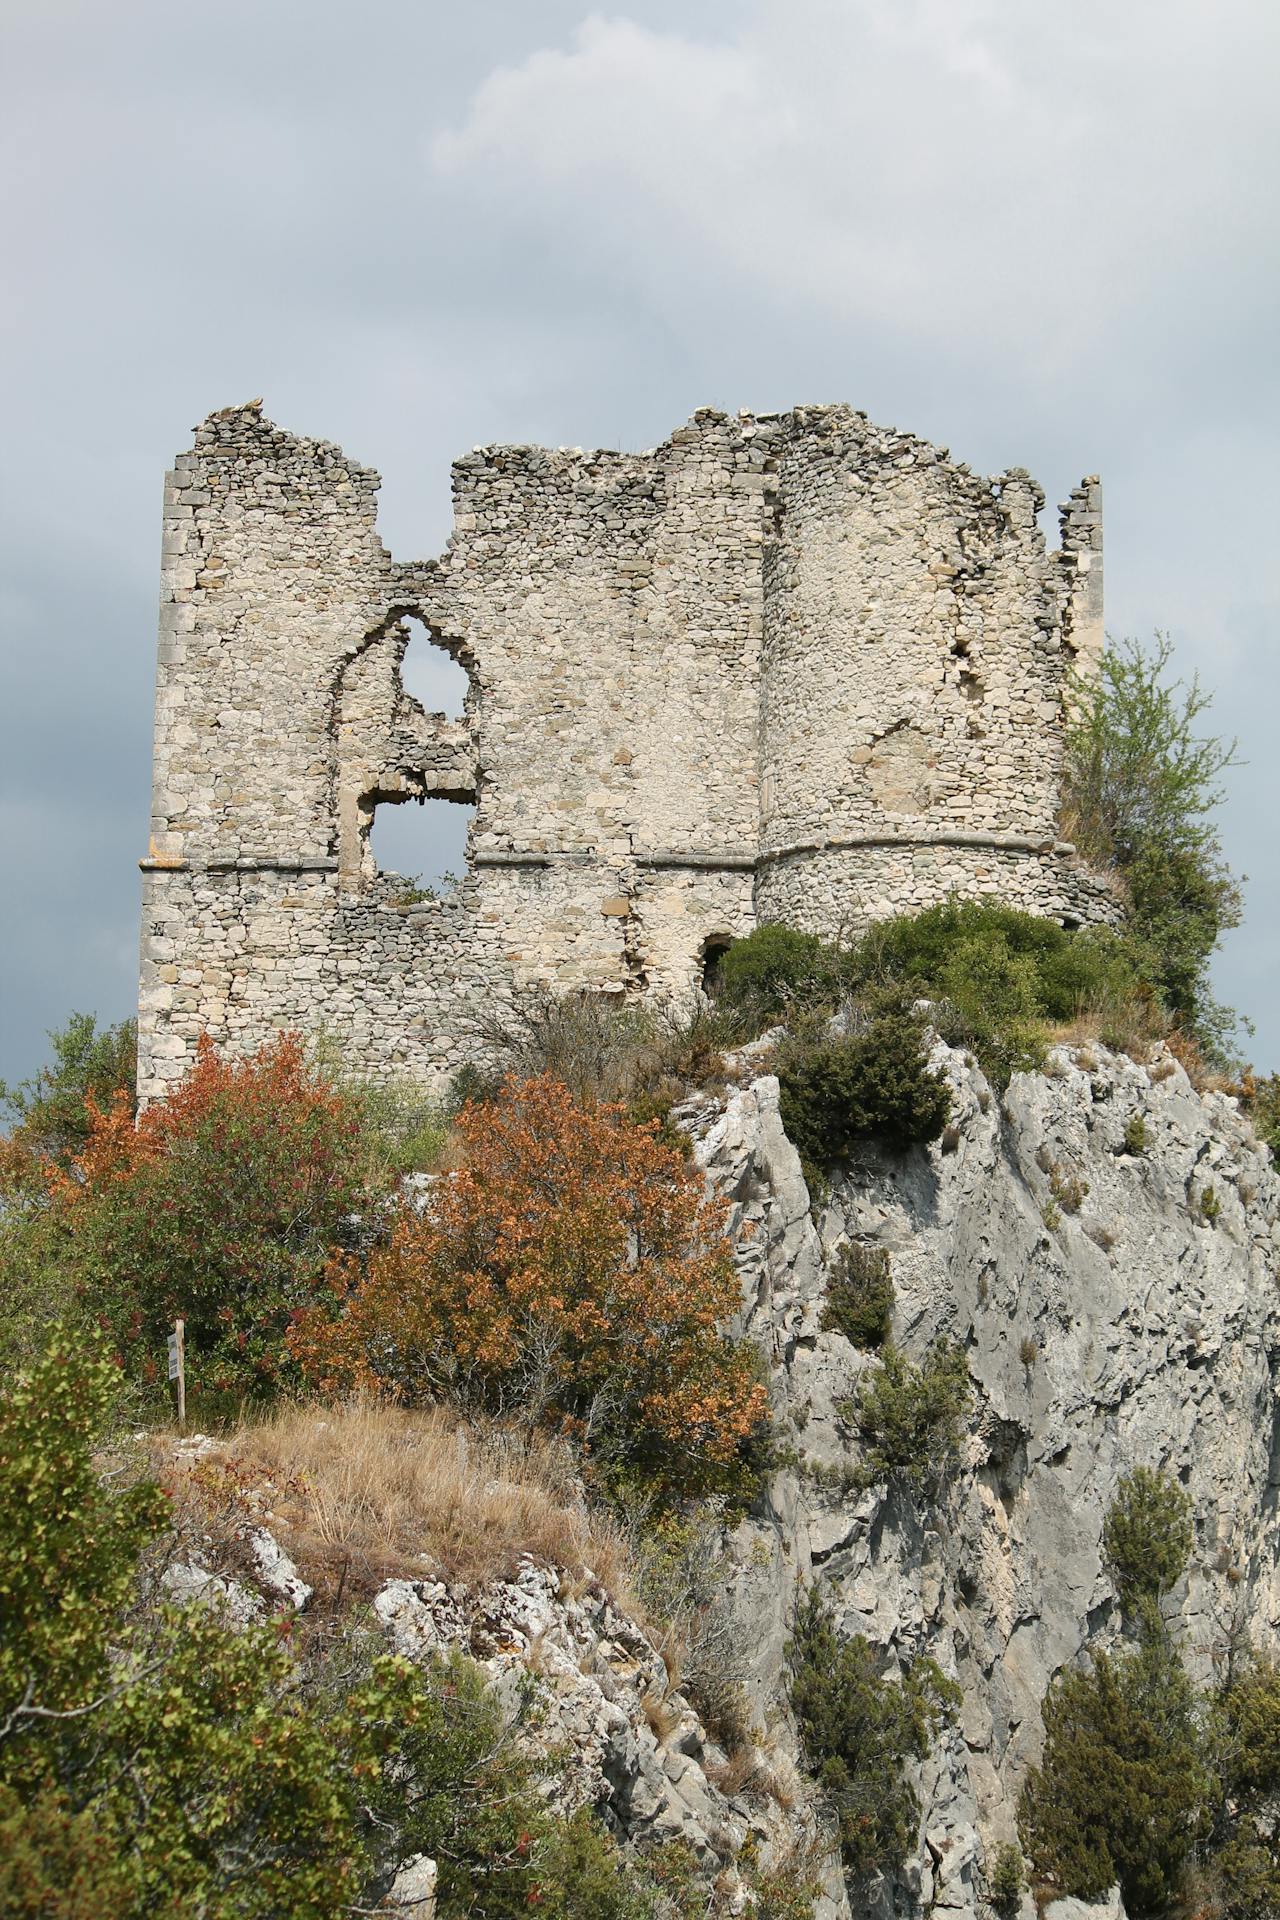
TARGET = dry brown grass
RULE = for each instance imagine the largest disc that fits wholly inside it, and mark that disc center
(363, 1491)
(1203, 1077)
(748, 1774)
(1132, 1026)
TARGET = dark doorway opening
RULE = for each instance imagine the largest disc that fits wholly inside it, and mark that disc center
(714, 949)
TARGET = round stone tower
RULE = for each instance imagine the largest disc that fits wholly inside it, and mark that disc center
(914, 658)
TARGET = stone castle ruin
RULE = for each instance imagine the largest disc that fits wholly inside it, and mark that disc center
(782, 667)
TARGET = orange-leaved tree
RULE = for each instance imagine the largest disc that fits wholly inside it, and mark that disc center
(573, 1267)
(222, 1204)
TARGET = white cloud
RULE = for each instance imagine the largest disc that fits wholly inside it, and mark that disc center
(1024, 178)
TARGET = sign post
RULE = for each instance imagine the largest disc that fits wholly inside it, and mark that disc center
(178, 1367)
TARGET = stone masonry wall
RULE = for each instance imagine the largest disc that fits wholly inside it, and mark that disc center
(788, 666)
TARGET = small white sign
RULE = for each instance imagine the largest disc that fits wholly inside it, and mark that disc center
(173, 1356)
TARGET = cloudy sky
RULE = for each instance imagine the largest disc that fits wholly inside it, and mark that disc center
(1041, 235)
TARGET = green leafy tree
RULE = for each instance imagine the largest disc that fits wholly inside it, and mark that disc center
(236, 1791)
(222, 1204)
(53, 1110)
(1264, 1107)
(50, 1118)
(860, 1732)
(56, 1864)
(1123, 1792)
(1141, 787)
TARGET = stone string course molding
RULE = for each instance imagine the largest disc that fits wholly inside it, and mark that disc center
(789, 666)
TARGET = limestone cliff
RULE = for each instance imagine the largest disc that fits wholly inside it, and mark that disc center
(1118, 1306)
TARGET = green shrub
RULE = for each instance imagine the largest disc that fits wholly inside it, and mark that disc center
(765, 973)
(860, 1296)
(919, 946)
(1000, 975)
(876, 1084)
(57, 1864)
(1122, 1791)
(910, 1417)
(471, 1086)
(402, 1129)
(1006, 1879)
(991, 1005)
(1135, 1134)
(1209, 1206)
(1147, 1536)
(580, 1873)
(69, 1543)
(859, 1730)
(996, 976)
(654, 1110)
(1068, 970)
(690, 1046)
(1068, 1189)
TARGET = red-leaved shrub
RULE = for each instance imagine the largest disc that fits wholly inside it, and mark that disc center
(574, 1267)
(222, 1204)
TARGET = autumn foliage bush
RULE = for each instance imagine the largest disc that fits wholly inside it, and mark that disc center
(221, 1204)
(572, 1267)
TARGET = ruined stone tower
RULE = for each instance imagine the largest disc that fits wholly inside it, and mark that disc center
(783, 667)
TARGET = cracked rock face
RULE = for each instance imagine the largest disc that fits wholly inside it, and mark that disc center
(623, 1738)
(1112, 1316)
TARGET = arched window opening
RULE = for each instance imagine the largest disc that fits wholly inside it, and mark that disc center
(422, 842)
(714, 949)
(428, 675)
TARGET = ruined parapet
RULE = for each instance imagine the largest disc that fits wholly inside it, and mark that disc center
(791, 666)
(1080, 559)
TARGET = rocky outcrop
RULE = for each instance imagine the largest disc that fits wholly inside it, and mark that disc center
(1102, 1242)
(620, 1735)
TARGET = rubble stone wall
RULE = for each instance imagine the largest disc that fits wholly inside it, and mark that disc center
(783, 666)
